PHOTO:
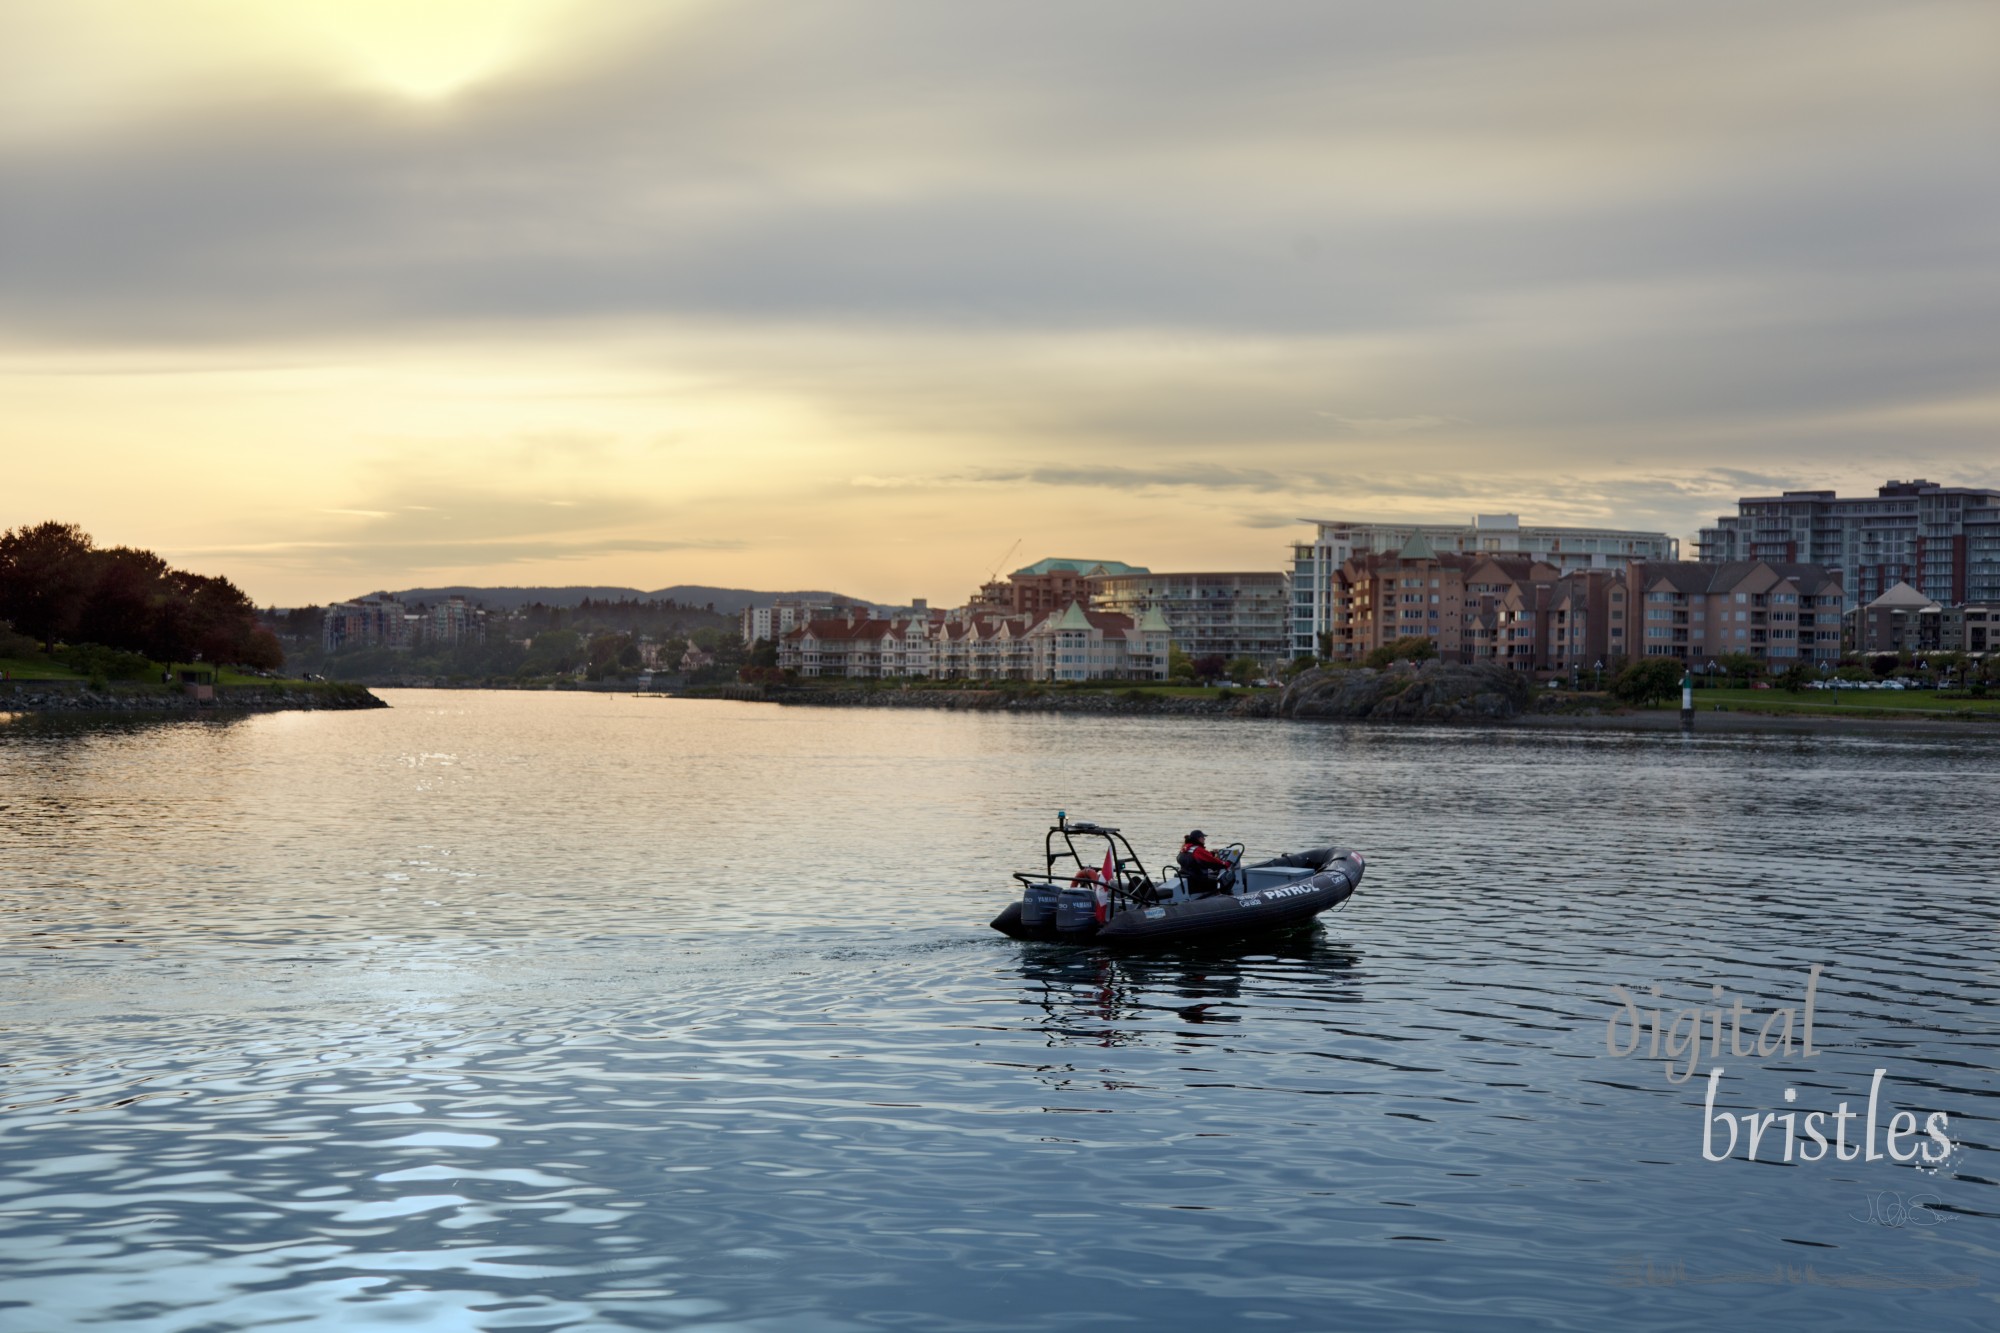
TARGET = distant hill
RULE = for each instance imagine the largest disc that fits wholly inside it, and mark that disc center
(728, 601)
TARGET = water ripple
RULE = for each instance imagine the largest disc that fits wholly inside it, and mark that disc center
(554, 1012)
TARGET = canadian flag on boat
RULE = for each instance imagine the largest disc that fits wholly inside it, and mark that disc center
(1104, 879)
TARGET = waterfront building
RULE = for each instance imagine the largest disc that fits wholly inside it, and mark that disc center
(1226, 615)
(1695, 611)
(370, 622)
(1526, 615)
(1099, 645)
(1982, 627)
(1905, 620)
(1565, 549)
(1472, 608)
(1944, 541)
(785, 614)
(1048, 586)
(1073, 644)
(453, 620)
(861, 646)
(983, 644)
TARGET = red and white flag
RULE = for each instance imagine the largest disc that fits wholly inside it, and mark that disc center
(1104, 887)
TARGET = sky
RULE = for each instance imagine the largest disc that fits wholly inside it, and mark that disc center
(879, 296)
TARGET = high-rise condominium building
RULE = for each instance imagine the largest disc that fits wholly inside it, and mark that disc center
(1210, 615)
(1942, 540)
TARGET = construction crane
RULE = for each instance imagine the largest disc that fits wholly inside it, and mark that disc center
(1001, 563)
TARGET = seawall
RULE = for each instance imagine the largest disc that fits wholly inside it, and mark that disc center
(39, 696)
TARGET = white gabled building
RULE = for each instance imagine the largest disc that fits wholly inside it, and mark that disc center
(1074, 644)
(1099, 645)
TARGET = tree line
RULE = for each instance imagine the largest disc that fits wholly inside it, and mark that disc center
(59, 586)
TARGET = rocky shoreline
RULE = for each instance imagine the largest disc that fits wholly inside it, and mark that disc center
(1432, 692)
(1012, 701)
(30, 696)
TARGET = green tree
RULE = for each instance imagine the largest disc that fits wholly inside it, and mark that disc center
(1411, 648)
(612, 655)
(1243, 670)
(222, 621)
(1179, 665)
(129, 589)
(553, 652)
(45, 579)
(1646, 681)
(1740, 666)
(763, 653)
(1794, 678)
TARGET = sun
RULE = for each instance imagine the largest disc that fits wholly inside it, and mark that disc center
(426, 50)
(97, 61)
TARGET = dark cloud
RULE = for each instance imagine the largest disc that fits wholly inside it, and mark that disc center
(1426, 246)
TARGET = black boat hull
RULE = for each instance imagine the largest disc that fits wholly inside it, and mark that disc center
(1338, 875)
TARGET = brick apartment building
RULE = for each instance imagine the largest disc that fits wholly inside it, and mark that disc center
(1048, 586)
(1695, 611)
(1530, 616)
(1316, 564)
(1905, 620)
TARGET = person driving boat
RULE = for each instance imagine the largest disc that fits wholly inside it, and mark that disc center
(1204, 871)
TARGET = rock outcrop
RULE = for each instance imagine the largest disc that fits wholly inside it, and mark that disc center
(1431, 692)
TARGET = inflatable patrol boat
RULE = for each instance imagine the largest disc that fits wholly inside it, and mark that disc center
(1080, 896)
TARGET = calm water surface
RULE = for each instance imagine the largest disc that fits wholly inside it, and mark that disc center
(510, 1011)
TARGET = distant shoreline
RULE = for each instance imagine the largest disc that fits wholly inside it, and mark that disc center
(1265, 706)
(1739, 720)
(42, 697)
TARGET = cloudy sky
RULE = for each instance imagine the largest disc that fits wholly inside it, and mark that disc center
(332, 295)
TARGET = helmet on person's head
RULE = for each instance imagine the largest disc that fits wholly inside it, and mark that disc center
(1197, 836)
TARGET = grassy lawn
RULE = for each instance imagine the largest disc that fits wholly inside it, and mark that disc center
(1890, 702)
(40, 667)
(1178, 691)
(36, 668)
(1036, 687)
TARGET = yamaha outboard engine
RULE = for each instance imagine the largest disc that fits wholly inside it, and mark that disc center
(1038, 907)
(1076, 909)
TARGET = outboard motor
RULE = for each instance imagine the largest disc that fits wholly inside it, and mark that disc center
(1038, 907)
(1076, 909)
